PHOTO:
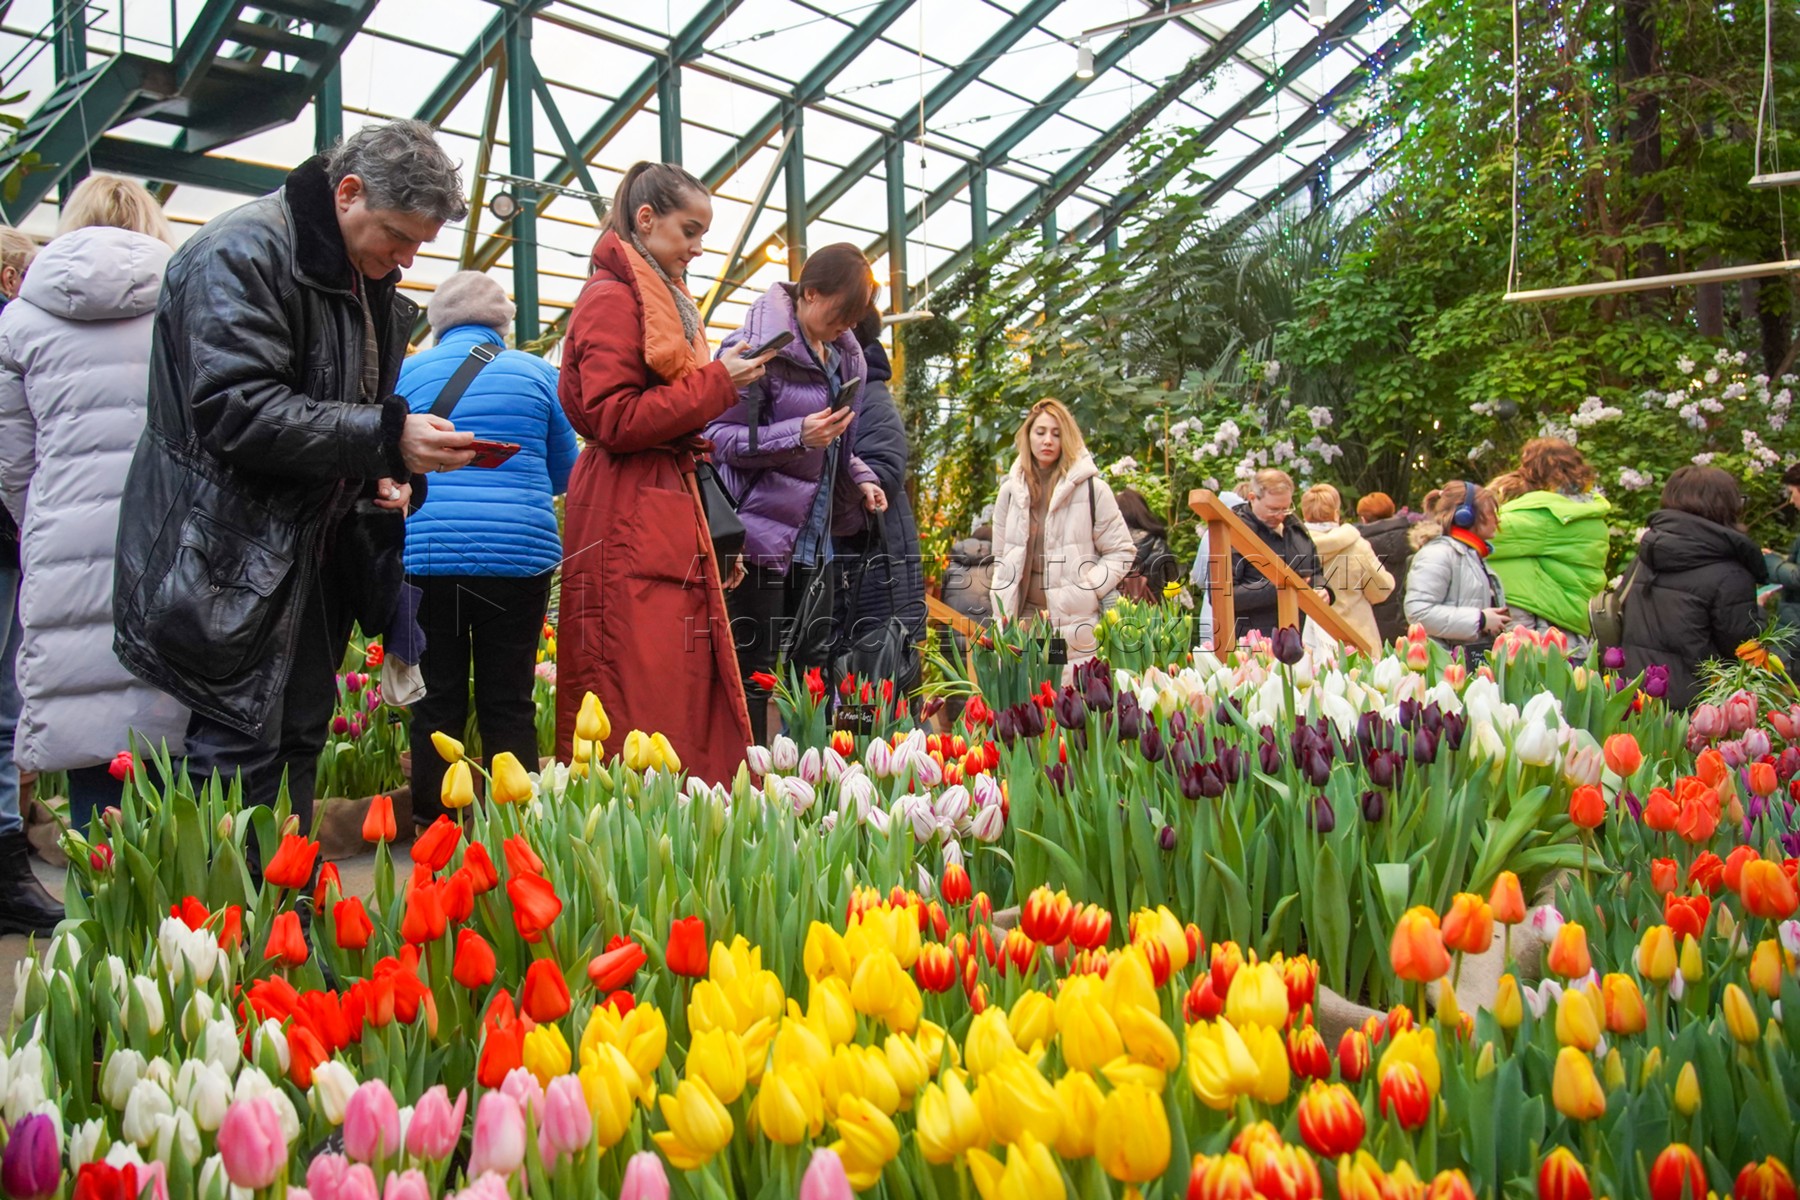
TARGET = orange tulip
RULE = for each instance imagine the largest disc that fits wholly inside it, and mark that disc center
(1569, 952)
(424, 920)
(1450, 1185)
(350, 922)
(378, 825)
(1417, 950)
(1624, 1004)
(480, 868)
(1330, 1119)
(1711, 768)
(286, 941)
(685, 953)
(503, 1043)
(1353, 1055)
(1677, 1174)
(1761, 778)
(1699, 815)
(1766, 891)
(1660, 811)
(1404, 1096)
(521, 859)
(1562, 1177)
(1623, 757)
(1766, 1180)
(1507, 899)
(1469, 925)
(545, 994)
(535, 905)
(474, 965)
(1665, 875)
(1587, 806)
(293, 863)
(1735, 862)
(1686, 915)
(1708, 870)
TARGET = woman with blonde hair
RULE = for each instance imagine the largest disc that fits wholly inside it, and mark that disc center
(1450, 593)
(1551, 557)
(1352, 569)
(74, 376)
(1060, 542)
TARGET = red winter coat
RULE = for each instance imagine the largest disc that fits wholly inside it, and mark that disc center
(642, 620)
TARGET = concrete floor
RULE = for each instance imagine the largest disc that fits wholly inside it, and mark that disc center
(358, 874)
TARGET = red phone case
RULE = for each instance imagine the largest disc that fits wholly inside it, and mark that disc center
(492, 454)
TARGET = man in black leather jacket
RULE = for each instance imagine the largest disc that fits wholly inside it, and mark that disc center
(265, 509)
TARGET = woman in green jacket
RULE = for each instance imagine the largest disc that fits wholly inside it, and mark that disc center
(1551, 552)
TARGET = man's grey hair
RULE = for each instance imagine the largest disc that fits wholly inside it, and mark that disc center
(402, 168)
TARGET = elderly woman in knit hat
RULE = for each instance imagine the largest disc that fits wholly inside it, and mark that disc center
(484, 545)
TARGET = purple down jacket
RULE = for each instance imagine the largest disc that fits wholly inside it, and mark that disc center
(775, 485)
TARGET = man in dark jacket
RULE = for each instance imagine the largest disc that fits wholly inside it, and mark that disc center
(891, 581)
(1387, 532)
(264, 511)
(1270, 514)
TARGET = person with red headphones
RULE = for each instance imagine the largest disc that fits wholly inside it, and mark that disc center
(1450, 592)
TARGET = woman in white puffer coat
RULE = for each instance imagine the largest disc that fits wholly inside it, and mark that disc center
(74, 371)
(1061, 546)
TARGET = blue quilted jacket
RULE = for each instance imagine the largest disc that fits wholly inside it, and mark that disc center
(491, 520)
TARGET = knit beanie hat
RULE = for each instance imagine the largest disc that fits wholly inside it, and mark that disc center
(469, 298)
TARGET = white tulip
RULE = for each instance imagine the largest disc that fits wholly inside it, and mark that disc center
(251, 1083)
(124, 1154)
(1583, 764)
(1535, 744)
(269, 1035)
(171, 936)
(987, 792)
(953, 854)
(953, 804)
(988, 825)
(876, 819)
(85, 1143)
(24, 971)
(146, 1103)
(112, 974)
(797, 793)
(213, 1183)
(835, 766)
(828, 822)
(220, 1046)
(178, 1133)
(200, 1012)
(161, 1072)
(119, 1076)
(930, 772)
(878, 756)
(812, 765)
(202, 953)
(209, 1097)
(25, 1095)
(1487, 744)
(284, 1108)
(150, 996)
(784, 753)
(332, 1087)
(758, 759)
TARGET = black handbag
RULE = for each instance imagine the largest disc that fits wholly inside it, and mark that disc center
(722, 521)
(883, 651)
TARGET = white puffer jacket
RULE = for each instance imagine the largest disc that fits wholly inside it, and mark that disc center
(74, 370)
(1087, 552)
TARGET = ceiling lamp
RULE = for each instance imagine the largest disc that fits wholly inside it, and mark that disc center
(1316, 14)
(504, 206)
(1084, 60)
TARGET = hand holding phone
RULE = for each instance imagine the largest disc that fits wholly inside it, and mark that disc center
(846, 395)
(492, 454)
(772, 345)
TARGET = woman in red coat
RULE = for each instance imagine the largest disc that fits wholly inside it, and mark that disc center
(642, 620)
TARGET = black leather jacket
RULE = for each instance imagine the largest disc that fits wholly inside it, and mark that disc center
(257, 465)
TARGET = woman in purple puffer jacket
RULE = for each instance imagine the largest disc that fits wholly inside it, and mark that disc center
(779, 449)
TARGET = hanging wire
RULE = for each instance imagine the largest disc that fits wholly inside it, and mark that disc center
(1765, 107)
(924, 191)
(1512, 266)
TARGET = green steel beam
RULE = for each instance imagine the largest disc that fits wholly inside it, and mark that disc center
(145, 161)
(467, 70)
(978, 212)
(1346, 24)
(70, 52)
(668, 111)
(553, 112)
(328, 110)
(522, 140)
(200, 45)
(896, 215)
(810, 89)
(794, 176)
(686, 44)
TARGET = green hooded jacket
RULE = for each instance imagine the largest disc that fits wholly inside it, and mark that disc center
(1550, 554)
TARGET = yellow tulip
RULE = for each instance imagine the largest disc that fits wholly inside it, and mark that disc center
(906, 1063)
(867, 1141)
(1576, 1024)
(610, 1086)
(448, 748)
(1613, 1067)
(699, 1126)
(710, 1007)
(1030, 1173)
(829, 1010)
(1270, 1052)
(1147, 1039)
(1574, 1087)
(1089, 1037)
(738, 960)
(1656, 954)
(948, 1120)
(1129, 980)
(1166, 928)
(1768, 965)
(934, 1044)
(639, 754)
(1132, 1140)
(546, 1054)
(1015, 1098)
(1509, 1007)
(1257, 996)
(1081, 1101)
(1418, 1047)
(859, 1071)
(756, 1040)
(1220, 1067)
(989, 1039)
(1740, 1015)
(1449, 1009)
(644, 1037)
(755, 997)
(1123, 1070)
(511, 784)
(591, 723)
(884, 927)
(1687, 1090)
(790, 1106)
(1651, 1068)
(825, 955)
(1693, 965)
(1032, 1020)
(798, 1044)
(1485, 1062)
(717, 1057)
(602, 1030)
(458, 788)
(882, 989)
(1624, 1003)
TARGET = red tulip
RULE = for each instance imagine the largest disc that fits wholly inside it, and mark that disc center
(474, 965)
(1330, 1119)
(1665, 875)
(293, 863)
(1092, 927)
(1686, 915)
(424, 920)
(685, 953)
(617, 967)
(503, 1043)
(545, 995)
(1404, 1096)
(935, 968)
(1353, 1055)
(535, 905)
(482, 876)
(1307, 1055)
(378, 825)
(1587, 806)
(955, 886)
(1562, 1177)
(458, 896)
(1677, 1175)
(351, 923)
(286, 941)
(435, 846)
(1708, 870)
(1766, 1180)
(520, 858)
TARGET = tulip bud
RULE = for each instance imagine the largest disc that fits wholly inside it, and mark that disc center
(1509, 1008)
(1574, 1088)
(1740, 1015)
(1687, 1090)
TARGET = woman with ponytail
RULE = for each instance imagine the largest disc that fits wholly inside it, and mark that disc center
(642, 619)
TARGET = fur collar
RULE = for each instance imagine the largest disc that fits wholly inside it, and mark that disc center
(320, 258)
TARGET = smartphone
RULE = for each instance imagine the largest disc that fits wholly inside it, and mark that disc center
(773, 344)
(846, 395)
(492, 454)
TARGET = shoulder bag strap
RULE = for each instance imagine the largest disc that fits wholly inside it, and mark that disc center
(480, 355)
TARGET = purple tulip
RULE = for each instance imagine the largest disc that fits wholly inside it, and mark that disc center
(1455, 725)
(1613, 659)
(1058, 775)
(1130, 717)
(1212, 780)
(1425, 746)
(1031, 720)
(1006, 726)
(32, 1165)
(1071, 713)
(340, 725)
(1287, 646)
(1790, 844)
(1324, 817)
(1632, 805)
(1268, 757)
(1150, 743)
(1098, 692)
(1231, 762)
(1407, 713)
(1166, 839)
(1188, 780)
(1178, 725)
(1374, 806)
(1432, 719)
(1315, 764)
(1383, 766)
(1656, 681)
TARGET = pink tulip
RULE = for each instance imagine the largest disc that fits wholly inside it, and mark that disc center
(525, 1090)
(436, 1127)
(251, 1143)
(487, 1187)
(295, 1193)
(644, 1178)
(825, 1178)
(371, 1123)
(325, 1176)
(566, 1123)
(359, 1184)
(499, 1136)
(405, 1185)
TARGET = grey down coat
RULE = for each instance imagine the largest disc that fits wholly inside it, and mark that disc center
(74, 371)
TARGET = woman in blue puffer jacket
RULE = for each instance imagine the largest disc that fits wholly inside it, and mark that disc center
(483, 546)
(783, 453)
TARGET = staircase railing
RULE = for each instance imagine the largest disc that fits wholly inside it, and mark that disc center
(1226, 533)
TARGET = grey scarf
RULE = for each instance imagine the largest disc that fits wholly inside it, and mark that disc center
(690, 312)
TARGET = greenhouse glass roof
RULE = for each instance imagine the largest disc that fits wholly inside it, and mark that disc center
(994, 113)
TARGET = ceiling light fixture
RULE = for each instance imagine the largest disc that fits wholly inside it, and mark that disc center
(1316, 14)
(504, 206)
(1084, 60)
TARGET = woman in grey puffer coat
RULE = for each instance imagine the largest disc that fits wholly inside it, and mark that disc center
(1450, 593)
(74, 370)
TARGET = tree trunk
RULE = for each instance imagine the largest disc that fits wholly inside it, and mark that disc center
(1644, 130)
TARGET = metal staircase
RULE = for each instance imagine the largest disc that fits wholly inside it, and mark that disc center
(240, 68)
